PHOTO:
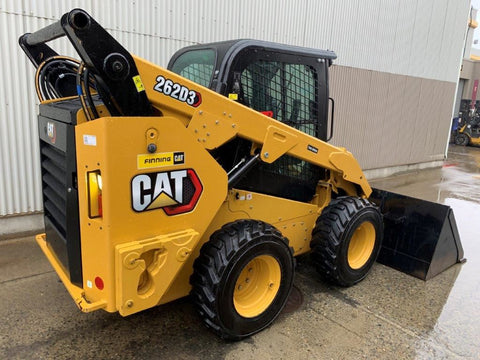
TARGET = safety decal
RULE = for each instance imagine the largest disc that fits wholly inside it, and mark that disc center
(150, 161)
(138, 83)
(176, 192)
(177, 91)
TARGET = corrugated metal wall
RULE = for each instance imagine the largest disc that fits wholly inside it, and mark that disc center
(412, 38)
(389, 119)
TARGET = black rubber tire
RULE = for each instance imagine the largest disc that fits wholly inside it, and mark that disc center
(462, 139)
(332, 235)
(220, 263)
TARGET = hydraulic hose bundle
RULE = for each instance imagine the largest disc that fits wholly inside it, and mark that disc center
(55, 76)
(62, 76)
(106, 68)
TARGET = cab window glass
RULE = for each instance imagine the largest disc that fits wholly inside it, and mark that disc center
(196, 65)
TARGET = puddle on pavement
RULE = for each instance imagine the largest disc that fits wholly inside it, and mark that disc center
(454, 326)
(457, 326)
(459, 178)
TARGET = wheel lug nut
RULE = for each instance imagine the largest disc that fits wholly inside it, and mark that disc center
(239, 287)
(247, 280)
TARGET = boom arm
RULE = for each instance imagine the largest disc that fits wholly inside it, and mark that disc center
(129, 85)
(217, 119)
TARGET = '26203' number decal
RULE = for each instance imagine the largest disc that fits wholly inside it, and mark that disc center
(177, 91)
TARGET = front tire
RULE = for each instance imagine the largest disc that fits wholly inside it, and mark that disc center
(346, 240)
(242, 278)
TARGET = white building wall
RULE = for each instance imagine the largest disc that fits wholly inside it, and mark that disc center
(419, 38)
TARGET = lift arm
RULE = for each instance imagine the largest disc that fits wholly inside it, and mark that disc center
(131, 86)
(214, 120)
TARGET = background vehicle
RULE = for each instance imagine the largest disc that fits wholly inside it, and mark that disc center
(468, 131)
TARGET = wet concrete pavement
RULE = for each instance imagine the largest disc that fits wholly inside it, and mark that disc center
(388, 315)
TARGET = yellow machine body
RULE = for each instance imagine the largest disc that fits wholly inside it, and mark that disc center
(133, 260)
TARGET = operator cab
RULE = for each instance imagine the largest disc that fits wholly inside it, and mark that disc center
(288, 83)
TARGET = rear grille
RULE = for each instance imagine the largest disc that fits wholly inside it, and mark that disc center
(56, 128)
(54, 186)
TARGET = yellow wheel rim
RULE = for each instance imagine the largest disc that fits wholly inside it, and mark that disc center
(361, 245)
(256, 286)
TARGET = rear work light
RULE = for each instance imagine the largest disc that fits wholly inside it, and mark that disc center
(94, 182)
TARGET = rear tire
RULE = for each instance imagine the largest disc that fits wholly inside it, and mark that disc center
(242, 278)
(346, 240)
(462, 139)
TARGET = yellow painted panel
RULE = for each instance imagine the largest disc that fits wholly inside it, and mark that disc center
(77, 294)
(296, 224)
(112, 145)
(350, 170)
(211, 130)
(145, 269)
(276, 143)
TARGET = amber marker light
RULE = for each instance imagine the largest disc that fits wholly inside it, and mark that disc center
(94, 180)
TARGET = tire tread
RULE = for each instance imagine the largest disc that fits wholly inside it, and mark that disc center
(214, 258)
(327, 236)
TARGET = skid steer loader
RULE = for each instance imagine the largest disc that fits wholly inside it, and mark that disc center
(206, 179)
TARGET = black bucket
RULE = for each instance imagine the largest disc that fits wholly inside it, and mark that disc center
(420, 238)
